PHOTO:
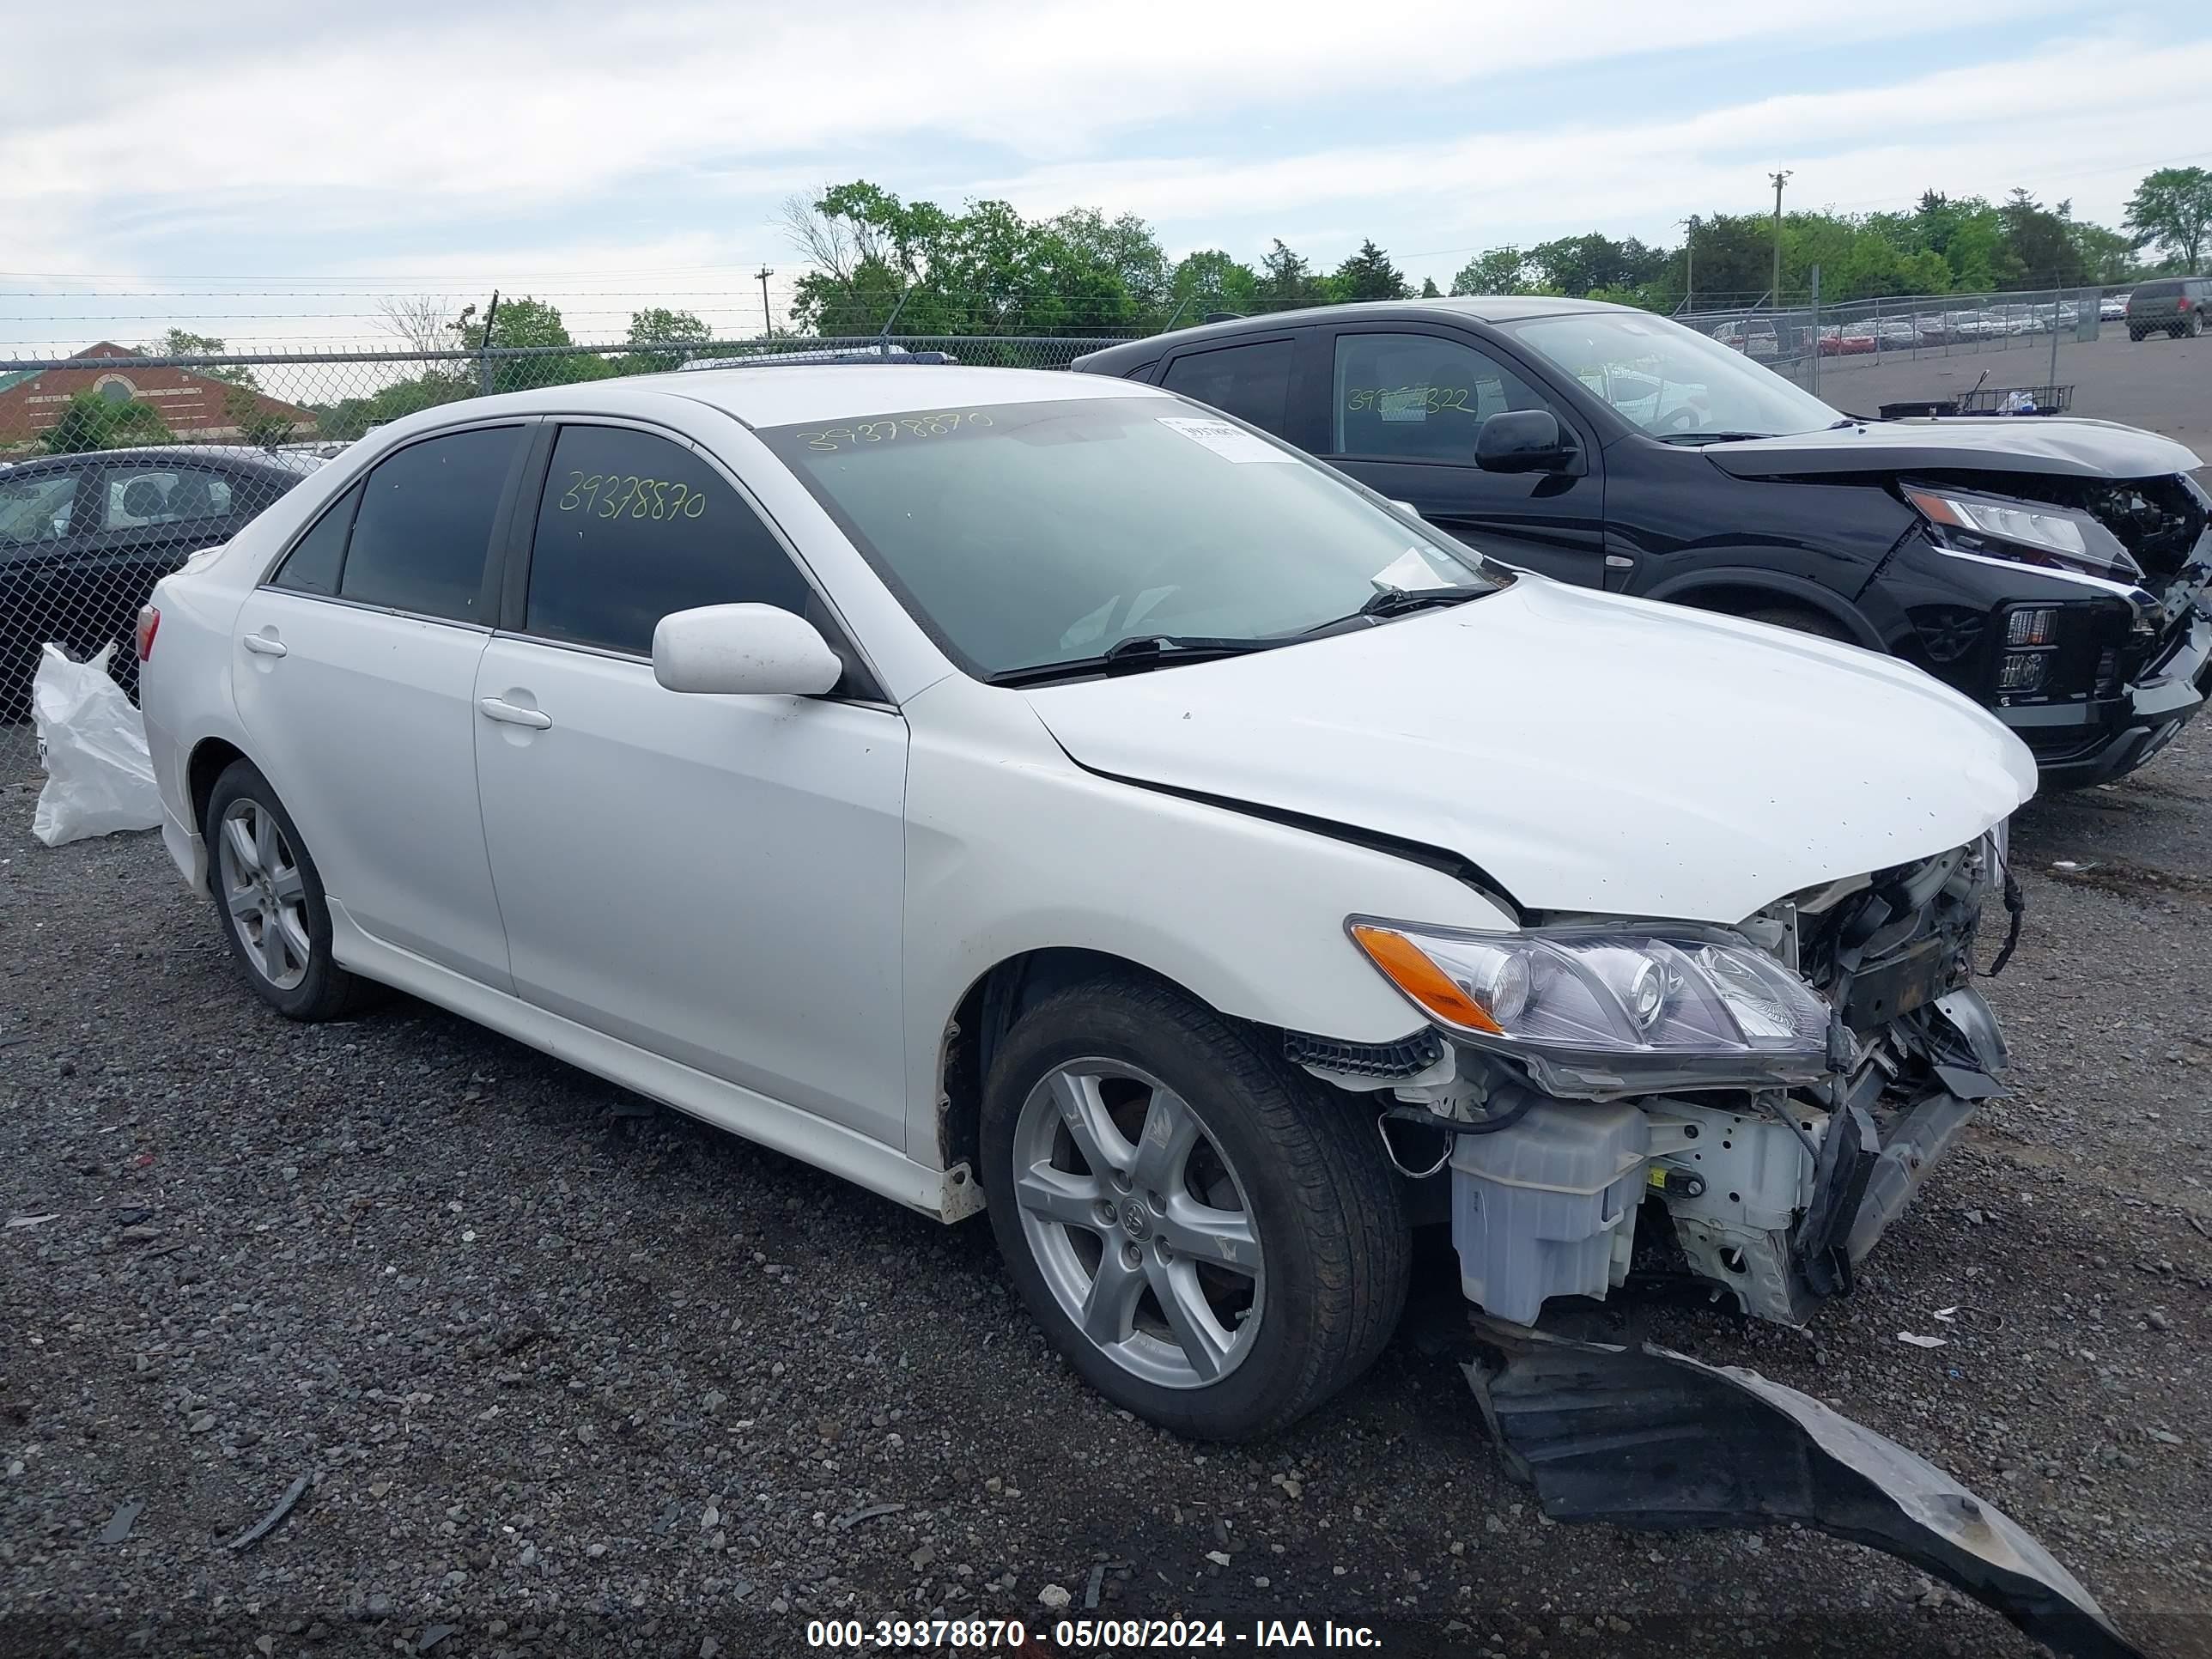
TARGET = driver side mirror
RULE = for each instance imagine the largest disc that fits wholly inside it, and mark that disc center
(745, 651)
(1522, 440)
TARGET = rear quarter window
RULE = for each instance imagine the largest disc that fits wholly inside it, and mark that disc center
(1252, 382)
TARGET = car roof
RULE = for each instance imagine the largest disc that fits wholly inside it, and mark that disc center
(1476, 308)
(786, 395)
(235, 454)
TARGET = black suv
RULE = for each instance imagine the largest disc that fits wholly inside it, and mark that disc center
(83, 538)
(2173, 306)
(2058, 572)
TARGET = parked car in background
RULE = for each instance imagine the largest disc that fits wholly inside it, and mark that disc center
(1893, 333)
(2172, 306)
(1754, 339)
(2112, 307)
(1848, 340)
(2058, 572)
(1037, 794)
(83, 538)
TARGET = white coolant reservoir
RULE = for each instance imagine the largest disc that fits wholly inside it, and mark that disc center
(1547, 1206)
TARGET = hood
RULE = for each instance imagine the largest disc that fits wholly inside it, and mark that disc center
(2002, 443)
(1588, 752)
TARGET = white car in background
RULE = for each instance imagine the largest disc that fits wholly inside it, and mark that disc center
(1038, 793)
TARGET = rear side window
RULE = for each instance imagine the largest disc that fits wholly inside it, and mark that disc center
(424, 526)
(1252, 382)
(2166, 290)
(632, 527)
(311, 566)
(147, 496)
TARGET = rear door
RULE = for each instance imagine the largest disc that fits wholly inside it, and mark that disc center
(146, 517)
(717, 879)
(355, 672)
(42, 544)
(1255, 378)
(1404, 404)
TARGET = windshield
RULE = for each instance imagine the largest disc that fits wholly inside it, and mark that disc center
(1025, 535)
(1670, 380)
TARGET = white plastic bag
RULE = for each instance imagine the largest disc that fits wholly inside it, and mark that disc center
(98, 777)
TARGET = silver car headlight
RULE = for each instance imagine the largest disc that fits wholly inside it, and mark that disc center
(2031, 531)
(1675, 1005)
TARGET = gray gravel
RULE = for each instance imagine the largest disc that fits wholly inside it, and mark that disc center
(566, 1374)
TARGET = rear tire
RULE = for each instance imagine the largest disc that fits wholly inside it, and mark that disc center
(269, 904)
(1243, 1254)
(2136, 334)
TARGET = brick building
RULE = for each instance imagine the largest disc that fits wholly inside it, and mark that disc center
(196, 406)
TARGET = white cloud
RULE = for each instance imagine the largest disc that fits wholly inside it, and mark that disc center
(2082, 120)
(258, 115)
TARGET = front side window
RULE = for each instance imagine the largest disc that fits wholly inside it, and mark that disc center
(147, 495)
(424, 527)
(1419, 396)
(33, 510)
(1252, 382)
(633, 527)
(1670, 380)
(1026, 535)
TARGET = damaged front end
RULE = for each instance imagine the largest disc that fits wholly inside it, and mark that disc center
(1772, 1095)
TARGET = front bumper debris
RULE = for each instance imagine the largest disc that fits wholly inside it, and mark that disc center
(2083, 743)
(1651, 1439)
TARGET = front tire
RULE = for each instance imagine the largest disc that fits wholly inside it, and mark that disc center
(1801, 619)
(270, 904)
(1214, 1239)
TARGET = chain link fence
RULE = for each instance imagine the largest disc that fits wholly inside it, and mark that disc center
(1809, 340)
(116, 465)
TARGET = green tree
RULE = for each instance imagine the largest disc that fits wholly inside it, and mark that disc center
(183, 343)
(1286, 280)
(1578, 265)
(1498, 271)
(262, 429)
(2172, 209)
(1368, 275)
(1209, 281)
(529, 322)
(2108, 258)
(90, 421)
(1429, 290)
(2039, 248)
(658, 325)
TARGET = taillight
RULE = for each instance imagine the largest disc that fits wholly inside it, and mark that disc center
(150, 623)
(2182, 304)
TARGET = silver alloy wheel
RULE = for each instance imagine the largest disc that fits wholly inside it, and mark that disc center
(1139, 1224)
(264, 893)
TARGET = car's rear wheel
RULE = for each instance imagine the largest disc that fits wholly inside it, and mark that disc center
(1212, 1239)
(2136, 334)
(2192, 328)
(269, 901)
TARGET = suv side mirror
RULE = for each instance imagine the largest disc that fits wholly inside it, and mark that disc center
(1522, 440)
(742, 650)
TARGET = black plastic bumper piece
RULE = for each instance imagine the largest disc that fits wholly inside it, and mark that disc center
(1651, 1439)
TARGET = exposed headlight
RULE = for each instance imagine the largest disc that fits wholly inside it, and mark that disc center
(1697, 1005)
(2053, 535)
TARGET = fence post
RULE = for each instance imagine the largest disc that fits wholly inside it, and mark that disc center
(2055, 292)
(484, 347)
(1815, 388)
(883, 336)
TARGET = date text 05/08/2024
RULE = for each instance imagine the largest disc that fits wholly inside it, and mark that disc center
(1086, 1635)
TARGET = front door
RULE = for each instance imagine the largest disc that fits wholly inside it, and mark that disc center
(717, 879)
(1405, 405)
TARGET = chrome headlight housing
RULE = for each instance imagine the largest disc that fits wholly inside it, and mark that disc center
(1593, 1009)
(2033, 532)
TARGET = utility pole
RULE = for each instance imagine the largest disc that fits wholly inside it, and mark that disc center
(768, 325)
(1780, 179)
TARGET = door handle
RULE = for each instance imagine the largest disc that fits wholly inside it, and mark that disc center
(499, 708)
(263, 645)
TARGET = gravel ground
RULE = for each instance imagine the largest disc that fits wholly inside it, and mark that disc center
(566, 1374)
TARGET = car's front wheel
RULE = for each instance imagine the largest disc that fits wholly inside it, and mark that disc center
(269, 901)
(1212, 1239)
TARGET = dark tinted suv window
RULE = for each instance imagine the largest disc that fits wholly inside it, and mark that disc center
(420, 538)
(2165, 290)
(633, 527)
(1252, 382)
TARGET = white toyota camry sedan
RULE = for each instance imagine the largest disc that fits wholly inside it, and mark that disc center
(1041, 795)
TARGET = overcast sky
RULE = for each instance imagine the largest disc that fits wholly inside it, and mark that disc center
(277, 162)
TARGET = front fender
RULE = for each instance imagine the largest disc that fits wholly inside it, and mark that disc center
(1012, 847)
(1711, 580)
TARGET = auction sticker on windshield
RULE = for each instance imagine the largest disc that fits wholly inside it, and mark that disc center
(1231, 443)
